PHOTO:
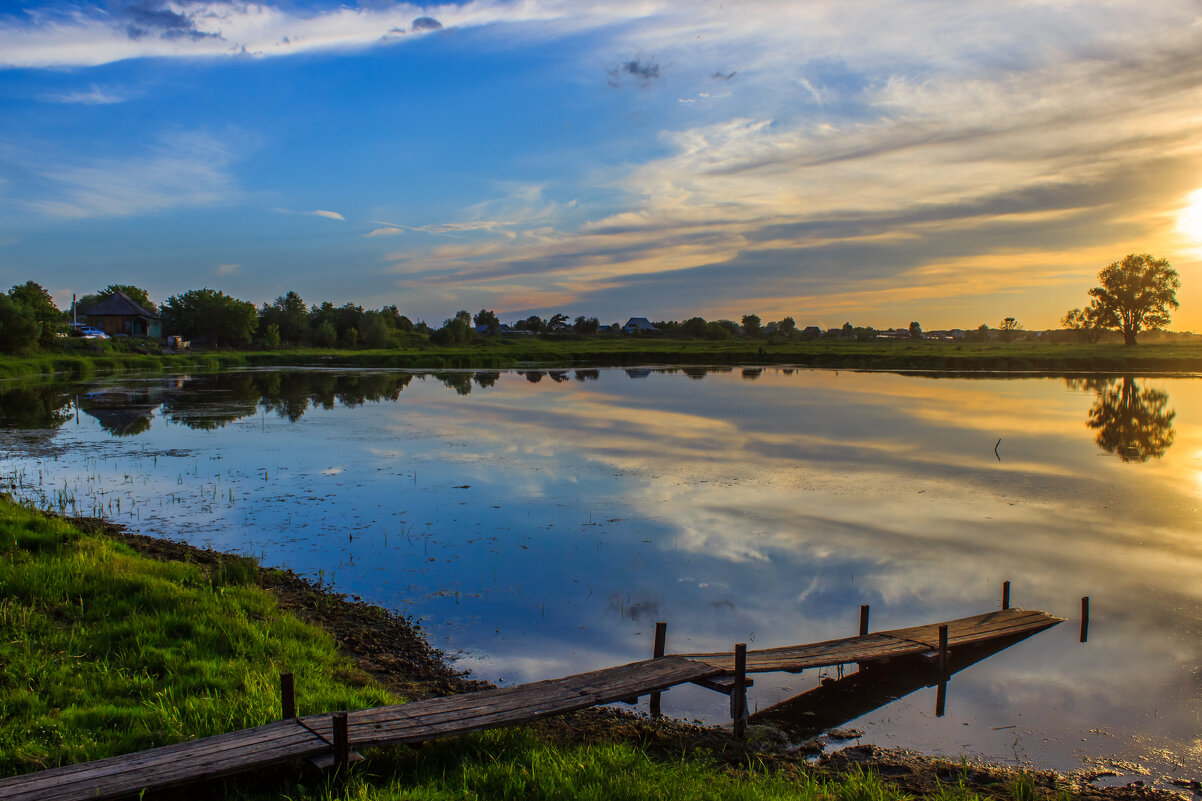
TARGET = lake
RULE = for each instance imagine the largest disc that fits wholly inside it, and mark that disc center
(539, 522)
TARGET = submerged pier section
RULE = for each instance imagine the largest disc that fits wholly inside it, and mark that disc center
(331, 737)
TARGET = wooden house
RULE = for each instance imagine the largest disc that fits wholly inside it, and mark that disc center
(121, 315)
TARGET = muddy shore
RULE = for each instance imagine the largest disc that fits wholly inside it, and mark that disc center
(393, 649)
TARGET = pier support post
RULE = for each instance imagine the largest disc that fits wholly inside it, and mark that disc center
(1005, 595)
(1085, 618)
(287, 697)
(342, 744)
(943, 649)
(661, 639)
(738, 694)
(941, 698)
(863, 619)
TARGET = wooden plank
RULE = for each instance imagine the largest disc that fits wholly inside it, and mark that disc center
(284, 740)
(884, 644)
(421, 720)
(611, 684)
(133, 779)
(282, 732)
(210, 757)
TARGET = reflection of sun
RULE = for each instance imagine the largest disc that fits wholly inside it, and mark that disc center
(1189, 221)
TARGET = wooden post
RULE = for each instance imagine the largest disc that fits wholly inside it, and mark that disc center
(863, 619)
(943, 648)
(941, 698)
(287, 697)
(342, 744)
(661, 639)
(1005, 595)
(1085, 618)
(738, 694)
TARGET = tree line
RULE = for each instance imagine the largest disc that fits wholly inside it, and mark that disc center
(1134, 294)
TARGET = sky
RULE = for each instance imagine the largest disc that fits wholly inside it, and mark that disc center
(866, 162)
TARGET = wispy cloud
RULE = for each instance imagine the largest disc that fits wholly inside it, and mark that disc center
(329, 215)
(95, 96)
(228, 269)
(191, 169)
(891, 147)
(90, 33)
(1027, 170)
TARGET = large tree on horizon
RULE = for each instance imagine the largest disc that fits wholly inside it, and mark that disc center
(1135, 294)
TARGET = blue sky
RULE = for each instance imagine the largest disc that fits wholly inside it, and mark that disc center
(874, 162)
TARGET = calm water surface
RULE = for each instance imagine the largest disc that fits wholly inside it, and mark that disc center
(539, 523)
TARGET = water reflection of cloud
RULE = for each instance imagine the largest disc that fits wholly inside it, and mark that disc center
(761, 511)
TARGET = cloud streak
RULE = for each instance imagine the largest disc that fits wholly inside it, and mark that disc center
(95, 96)
(90, 34)
(819, 152)
(184, 170)
(1042, 168)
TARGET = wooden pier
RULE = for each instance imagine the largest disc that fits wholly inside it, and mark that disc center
(317, 736)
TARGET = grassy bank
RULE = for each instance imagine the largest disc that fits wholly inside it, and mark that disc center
(85, 365)
(104, 651)
(502, 352)
(109, 644)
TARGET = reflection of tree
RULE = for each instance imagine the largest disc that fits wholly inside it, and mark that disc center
(460, 382)
(34, 407)
(1133, 423)
(210, 402)
(486, 378)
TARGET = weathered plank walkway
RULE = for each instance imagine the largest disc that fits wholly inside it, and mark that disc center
(885, 644)
(311, 736)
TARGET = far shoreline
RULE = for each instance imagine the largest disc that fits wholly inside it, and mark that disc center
(548, 353)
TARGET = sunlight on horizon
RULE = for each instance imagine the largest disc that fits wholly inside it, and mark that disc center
(1189, 220)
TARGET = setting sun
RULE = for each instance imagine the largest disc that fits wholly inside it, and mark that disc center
(1189, 222)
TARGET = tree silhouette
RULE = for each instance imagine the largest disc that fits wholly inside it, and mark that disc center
(1009, 328)
(1136, 294)
(1133, 423)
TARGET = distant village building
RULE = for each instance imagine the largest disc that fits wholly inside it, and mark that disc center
(945, 335)
(501, 328)
(639, 325)
(812, 331)
(119, 314)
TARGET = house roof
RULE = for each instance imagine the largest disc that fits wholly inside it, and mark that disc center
(117, 305)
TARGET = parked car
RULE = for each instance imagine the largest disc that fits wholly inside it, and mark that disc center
(88, 332)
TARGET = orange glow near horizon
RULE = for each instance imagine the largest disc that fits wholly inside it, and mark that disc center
(1189, 221)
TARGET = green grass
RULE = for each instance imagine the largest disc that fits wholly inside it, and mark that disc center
(85, 365)
(104, 651)
(501, 352)
(518, 765)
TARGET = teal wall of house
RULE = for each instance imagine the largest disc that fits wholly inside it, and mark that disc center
(129, 325)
